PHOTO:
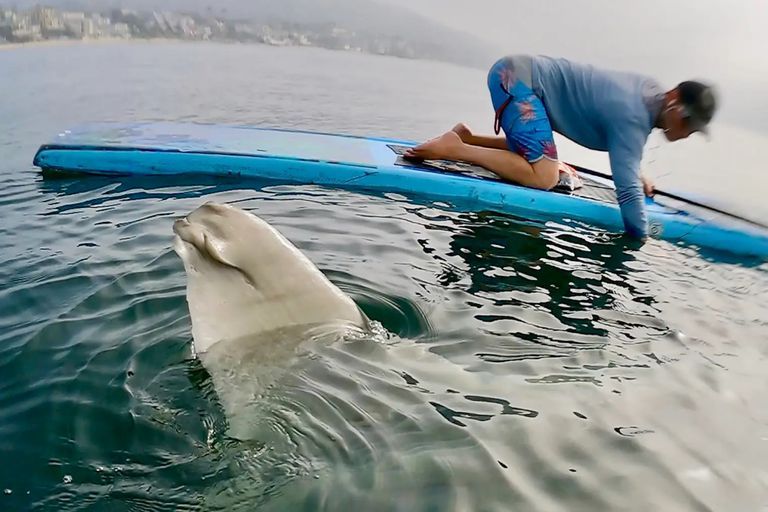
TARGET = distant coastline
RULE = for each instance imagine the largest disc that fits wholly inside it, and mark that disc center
(72, 42)
(98, 41)
(51, 27)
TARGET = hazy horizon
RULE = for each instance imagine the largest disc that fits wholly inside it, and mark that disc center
(364, 16)
(710, 40)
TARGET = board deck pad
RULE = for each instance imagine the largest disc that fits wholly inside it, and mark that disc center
(591, 189)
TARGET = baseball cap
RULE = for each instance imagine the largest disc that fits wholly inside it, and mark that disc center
(699, 104)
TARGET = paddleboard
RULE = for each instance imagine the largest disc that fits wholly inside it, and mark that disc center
(364, 163)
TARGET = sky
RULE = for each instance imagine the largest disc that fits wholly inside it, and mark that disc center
(722, 42)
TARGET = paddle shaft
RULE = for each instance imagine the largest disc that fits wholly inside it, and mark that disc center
(676, 197)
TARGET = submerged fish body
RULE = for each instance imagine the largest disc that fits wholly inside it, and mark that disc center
(254, 299)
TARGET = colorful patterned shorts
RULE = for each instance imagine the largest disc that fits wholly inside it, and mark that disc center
(519, 112)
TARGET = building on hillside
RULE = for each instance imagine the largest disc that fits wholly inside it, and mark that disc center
(73, 23)
(7, 15)
(48, 19)
(89, 29)
(121, 30)
(26, 34)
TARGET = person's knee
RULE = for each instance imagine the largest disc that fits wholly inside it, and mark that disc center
(547, 174)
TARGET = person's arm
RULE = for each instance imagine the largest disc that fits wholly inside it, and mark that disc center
(625, 151)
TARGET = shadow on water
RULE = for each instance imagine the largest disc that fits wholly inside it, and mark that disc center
(545, 291)
(133, 188)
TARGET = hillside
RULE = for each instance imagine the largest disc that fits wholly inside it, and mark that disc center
(366, 16)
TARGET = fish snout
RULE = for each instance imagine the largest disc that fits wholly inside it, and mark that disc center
(189, 232)
(181, 226)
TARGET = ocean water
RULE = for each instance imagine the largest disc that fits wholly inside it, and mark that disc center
(528, 365)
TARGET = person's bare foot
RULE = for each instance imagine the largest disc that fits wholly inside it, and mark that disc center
(463, 131)
(440, 148)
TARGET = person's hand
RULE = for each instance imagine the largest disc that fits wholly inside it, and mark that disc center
(648, 186)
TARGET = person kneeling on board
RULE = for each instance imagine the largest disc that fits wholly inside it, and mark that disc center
(601, 110)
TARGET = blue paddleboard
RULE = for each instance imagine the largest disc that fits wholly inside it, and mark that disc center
(366, 164)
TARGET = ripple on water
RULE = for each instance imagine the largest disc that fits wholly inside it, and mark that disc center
(528, 365)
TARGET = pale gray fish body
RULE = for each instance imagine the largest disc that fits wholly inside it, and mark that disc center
(254, 300)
